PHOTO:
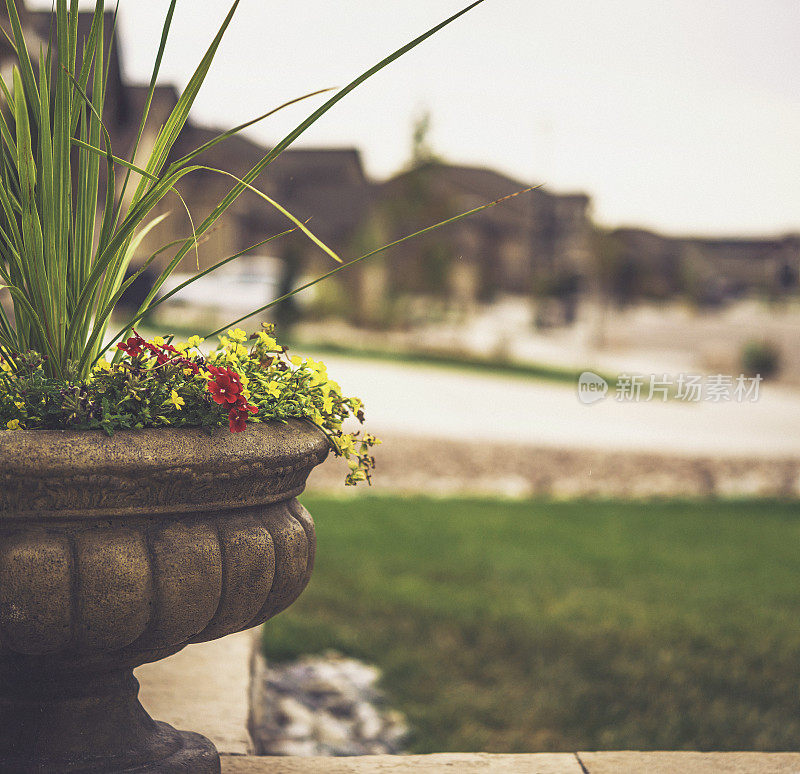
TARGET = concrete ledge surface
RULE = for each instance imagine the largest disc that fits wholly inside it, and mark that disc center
(204, 688)
(542, 763)
(690, 763)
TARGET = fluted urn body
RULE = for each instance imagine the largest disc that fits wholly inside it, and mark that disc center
(115, 552)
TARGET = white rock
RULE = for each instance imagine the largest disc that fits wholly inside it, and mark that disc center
(325, 705)
(330, 731)
(294, 711)
(369, 723)
(361, 675)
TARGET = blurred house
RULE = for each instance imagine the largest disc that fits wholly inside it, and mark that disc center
(502, 251)
(538, 244)
(498, 252)
(644, 264)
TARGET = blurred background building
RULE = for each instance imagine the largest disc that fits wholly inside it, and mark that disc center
(541, 250)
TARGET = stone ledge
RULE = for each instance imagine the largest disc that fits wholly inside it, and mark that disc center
(543, 763)
(204, 688)
(690, 763)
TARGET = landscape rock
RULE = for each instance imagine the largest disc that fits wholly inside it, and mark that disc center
(322, 706)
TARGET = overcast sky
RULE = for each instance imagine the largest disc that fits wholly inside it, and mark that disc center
(682, 115)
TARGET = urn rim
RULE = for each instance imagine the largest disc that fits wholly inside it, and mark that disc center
(77, 474)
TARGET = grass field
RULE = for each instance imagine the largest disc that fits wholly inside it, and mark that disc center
(535, 626)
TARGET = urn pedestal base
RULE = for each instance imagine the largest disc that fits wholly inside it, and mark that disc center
(92, 725)
(117, 552)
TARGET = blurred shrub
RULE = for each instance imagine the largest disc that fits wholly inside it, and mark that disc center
(760, 357)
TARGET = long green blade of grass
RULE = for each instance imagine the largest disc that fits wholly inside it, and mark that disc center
(64, 252)
(371, 253)
(165, 30)
(251, 176)
(132, 322)
(21, 50)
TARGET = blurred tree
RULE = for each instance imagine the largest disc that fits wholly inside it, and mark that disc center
(286, 312)
(417, 197)
(421, 150)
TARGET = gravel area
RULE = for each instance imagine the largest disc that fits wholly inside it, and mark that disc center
(324, 705)
(437, 467)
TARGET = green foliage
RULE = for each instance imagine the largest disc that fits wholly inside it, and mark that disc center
(552, 626)
(761, 358)
(64, 248)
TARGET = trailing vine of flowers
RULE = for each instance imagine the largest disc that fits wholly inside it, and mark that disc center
(164, 383)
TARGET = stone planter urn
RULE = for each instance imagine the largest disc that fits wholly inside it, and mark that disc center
(115, 552)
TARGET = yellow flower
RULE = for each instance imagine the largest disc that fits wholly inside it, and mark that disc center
(195, 341)
(13, 424)
(274, 389)
(19, 404)
(267, 341)
(4, 366)
(345, 444)
(158, 341)
(238, 335)
(102, 365)
(319, 369)
(177, 401)
(296, 360)
(327, 405)
(181, 346)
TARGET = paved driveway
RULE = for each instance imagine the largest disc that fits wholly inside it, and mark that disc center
(445, 403)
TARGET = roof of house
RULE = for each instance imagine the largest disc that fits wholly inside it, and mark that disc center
(466, 187)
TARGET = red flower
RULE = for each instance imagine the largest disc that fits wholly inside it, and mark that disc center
(238, 415)
(133, 346)
(226, 387)
(238, 421)
(164, 354)
(218, 371)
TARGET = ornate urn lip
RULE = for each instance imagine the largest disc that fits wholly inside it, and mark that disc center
(53, 474)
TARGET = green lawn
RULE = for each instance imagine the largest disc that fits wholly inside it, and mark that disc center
(535, 626)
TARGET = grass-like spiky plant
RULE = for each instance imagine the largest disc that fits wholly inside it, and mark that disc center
(65, 247)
